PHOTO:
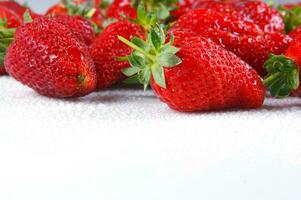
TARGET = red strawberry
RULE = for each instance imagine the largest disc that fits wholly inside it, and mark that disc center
(8, 19)
(106, 49)
(120, 9)
(79, 7)
(18, 9)
(183, 7)
(47, 57)
(195, 74)
(243, 38)
(260, 13)
(295, 33)
(81, 27)
(13, 20)
(284, 71)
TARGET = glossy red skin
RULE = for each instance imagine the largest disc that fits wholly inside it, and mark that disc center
(47, 57)
(19, 9)
(13, 21)
(106, 48)
(59, 9)
(243, 38)
(120, 9)
(81, 27)
(209, 78)
(295, 33)
(267, 18)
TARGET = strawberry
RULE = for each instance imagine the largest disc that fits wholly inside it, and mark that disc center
(47, 57)
(11, 17)
(81, 27)
(8, 19)
(295, 33)
(243, 38)
(193, 73)
(120, 9)
(18, 9)
(284, 71)
(85, 8)
(260, 13)
(183, 7)
(106, 49)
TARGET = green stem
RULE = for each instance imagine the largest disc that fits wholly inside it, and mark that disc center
(132, 45)
(271, 78)
(122, 58)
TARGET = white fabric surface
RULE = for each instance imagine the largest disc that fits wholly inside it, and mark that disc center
(124, 144)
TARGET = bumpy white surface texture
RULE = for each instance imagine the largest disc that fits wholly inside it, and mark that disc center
(126, 145)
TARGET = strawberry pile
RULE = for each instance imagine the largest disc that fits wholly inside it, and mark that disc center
(196, 55)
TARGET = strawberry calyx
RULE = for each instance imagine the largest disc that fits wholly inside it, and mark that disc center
(291, 17)
(150, 57)
(162, 8)
(283, 76)
(85, 9)
(144, 18)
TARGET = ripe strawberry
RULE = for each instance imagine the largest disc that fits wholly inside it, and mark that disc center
(243, 38)
(11, 17)
(183, 7)
(295, 33)
(18, 9)
(47, 57)
(106, 49)
(8, 19)
(83, 8)
(193, 73)
(260, 13)
(120, 9)
(284, 71)
(81, 27)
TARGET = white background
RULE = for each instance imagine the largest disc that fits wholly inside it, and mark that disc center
(124, 144)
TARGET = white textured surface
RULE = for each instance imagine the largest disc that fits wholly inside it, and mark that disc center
(125, 144)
